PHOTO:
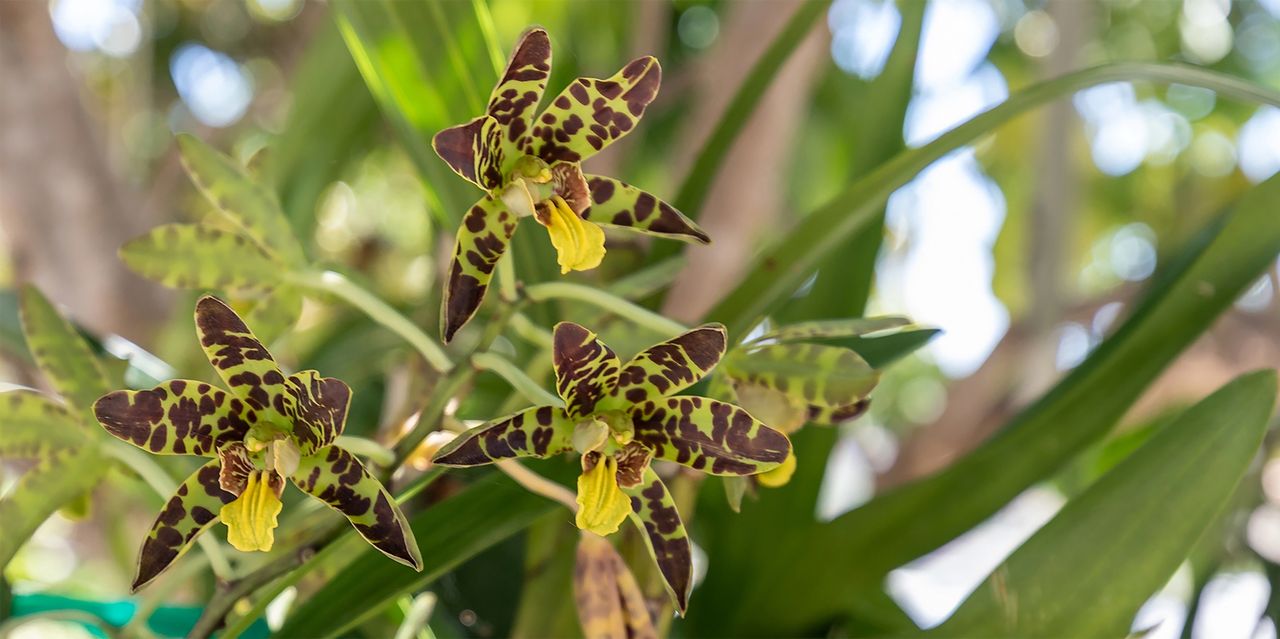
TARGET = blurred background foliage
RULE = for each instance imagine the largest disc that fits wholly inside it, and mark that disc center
(1026, 249)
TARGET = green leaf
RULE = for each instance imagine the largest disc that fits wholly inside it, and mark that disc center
(1130, 530)
(653, 511)
(337, 478)
(195, 256)
(883, 350)
(668, 367)
(781, 270)
(714, 437)
(275, 314)
(488, 512)
(820, 375)
(33, 425)
(854, 552)
(857, 327)
(250, 206)
(55, 480)
(62, 355)
(192, 509)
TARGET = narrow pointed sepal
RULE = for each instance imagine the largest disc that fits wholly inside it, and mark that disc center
(482, 239)
(318, 406)
(708, 435)
(191, 510)
(457, 145)
(586, 369)
(178, 417)
(541, 431)
(239, 357)
(590, 114)
(653, 511)
(337, 478)
(669, 367)
(618, 204)
(516, 96)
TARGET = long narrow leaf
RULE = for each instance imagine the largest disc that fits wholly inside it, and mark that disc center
(1128, 533)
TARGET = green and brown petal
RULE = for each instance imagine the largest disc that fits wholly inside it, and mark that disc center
(653, 510)
(669, 367)
(616, 203)
(337, 478)
(515, 98)
(482, 239)
(240, 359)
(317, 407)
(190, 511)
(178, 417)
(586, 369)
(590, 114)
(708, 435)
(541, 431)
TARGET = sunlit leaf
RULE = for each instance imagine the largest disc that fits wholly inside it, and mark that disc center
(1130, 530)
(195, 256)
(275, 314)
(250, 206)
(821, 376)
(834, 328)
(62, 355)
(56, 479)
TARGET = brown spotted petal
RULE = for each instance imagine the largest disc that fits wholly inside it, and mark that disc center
(653, 511)
(633, 461)
(458, 146)
(482, 239)
(608, 597)
(616, 203)
(337, 478)
(318, 408)
(708, 435)
(234, 467)
(542, 431)
(586, 369)
(191, 510)
(568, 182)
(667, 368)
(178, 417)
(240, 358)
(590, 114)
(515, 98)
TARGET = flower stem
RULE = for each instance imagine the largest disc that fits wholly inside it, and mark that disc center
(638, 315)
(164, 485)
(538, 485)
(379, 311)
(503, 367)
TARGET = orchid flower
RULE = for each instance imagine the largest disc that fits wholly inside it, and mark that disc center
(531, 167)
(267, 427)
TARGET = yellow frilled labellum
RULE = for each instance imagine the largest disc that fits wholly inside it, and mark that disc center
(780, 475)
(601, 503)
(579, 243)
(251, 518)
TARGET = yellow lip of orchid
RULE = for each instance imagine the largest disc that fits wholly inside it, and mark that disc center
(252, 518)
(579, 243)
(602, 506)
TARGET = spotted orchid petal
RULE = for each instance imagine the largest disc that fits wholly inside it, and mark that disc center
(337, 478)
(482, 239)
(466, 149)
(590, 114)
(317, 407)
(668, 367)
(189, 512)
(609, 600)
(653, 511)
(618, 204)
(516, 96)
(541, 431)
(241, 360)
(178, 417)
(586, 369)
(708, 435)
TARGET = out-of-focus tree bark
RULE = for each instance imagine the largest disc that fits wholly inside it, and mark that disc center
(63, 210)
(747, 194)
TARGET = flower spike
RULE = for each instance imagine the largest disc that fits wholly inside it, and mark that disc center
(529, 165)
